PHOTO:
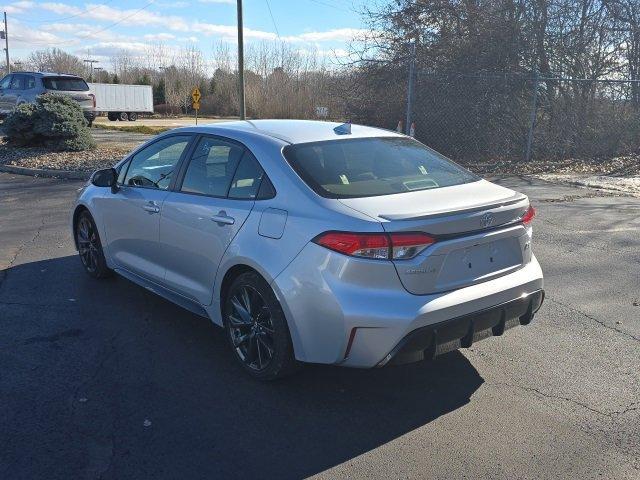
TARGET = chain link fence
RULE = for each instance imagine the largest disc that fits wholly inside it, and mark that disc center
(510, 116)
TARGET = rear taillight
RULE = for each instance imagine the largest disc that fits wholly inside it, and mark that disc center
(93, 99)
(408, 245)
(528, 215)
(379, 246)
(369, 245)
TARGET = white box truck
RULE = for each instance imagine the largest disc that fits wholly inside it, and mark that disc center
(122, 102)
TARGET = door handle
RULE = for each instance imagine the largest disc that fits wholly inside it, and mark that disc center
(151, 207)
(224, 219)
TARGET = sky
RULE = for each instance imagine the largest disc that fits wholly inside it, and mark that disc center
(99, 30)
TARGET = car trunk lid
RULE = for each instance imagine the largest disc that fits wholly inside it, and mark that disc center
(476, 226)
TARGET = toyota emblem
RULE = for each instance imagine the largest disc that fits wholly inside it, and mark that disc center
(487, 220)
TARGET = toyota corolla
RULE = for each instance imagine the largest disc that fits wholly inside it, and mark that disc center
(314, 241)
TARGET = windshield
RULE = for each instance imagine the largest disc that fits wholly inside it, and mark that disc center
(367, 167)
(66, 84)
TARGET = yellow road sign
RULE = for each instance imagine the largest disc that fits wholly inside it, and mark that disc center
(195, 95)
(196, 105)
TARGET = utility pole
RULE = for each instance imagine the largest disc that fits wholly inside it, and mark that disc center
(410, 87)
(243, 110)
(91, 62)
(5, 34)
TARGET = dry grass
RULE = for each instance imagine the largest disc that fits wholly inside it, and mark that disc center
(146, 129)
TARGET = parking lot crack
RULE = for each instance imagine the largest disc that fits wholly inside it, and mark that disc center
(591, 317)
(554, 397)
(5, 271)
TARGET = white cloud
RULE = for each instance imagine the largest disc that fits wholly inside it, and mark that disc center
(65, 27)
(168, 5)
(17, 7)
(61, 8)
(335, 35)
(110, 49)
(130, 17)
(23, 36)
(159, 36)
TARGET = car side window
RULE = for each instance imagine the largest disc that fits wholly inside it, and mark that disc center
(29, 82)
(5, 82)
(212, 167)
(246, 181)
(154, 166)
(17, 82)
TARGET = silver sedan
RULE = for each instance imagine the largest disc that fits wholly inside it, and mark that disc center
(314, 241)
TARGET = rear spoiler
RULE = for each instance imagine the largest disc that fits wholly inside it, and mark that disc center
(507, 202)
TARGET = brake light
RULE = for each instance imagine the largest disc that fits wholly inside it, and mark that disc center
(379, 246)
(369, 245)
(528, 215)
(93, 99)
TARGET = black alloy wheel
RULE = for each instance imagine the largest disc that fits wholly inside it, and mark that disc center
(256, 328)
(89, 247)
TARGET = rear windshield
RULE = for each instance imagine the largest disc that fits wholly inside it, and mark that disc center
(367, 167)
(67, 84)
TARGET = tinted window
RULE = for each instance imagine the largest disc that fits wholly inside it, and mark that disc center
(29, 82)
(154, 166)
(367, 167)
(246, 181)
(5, 82)
(212, 167)
(17, 82)
(267, 190)
(67, 84)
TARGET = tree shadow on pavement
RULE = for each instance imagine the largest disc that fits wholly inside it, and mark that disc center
(136, 387)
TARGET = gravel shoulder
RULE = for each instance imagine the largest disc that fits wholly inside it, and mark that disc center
(112, 146)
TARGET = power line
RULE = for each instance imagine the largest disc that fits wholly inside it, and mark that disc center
(320, 2)
(43, 22)
(272, 19)
(86, 37)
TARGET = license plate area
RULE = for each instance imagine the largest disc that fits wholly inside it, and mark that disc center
(477, 262)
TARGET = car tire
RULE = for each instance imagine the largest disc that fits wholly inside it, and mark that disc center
(257, 329)
(123, 117)
(90, 247)
(133, 116)
(113, 116)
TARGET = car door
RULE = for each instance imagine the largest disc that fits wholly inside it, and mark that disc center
(205, 212)
(5, 83)
(132, 214)
(15, 89)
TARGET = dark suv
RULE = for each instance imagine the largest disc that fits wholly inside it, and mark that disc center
(23, 87)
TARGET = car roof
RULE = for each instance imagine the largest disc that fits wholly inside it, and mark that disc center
(296, 131)
(49, 74)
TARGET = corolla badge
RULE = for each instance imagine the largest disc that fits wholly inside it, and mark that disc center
(487, 220)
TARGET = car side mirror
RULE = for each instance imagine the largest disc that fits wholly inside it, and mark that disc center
(107, 177)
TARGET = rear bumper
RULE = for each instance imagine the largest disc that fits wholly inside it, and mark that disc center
(354, 312)
(426, 342)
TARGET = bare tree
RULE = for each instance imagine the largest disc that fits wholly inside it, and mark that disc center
(55, 60)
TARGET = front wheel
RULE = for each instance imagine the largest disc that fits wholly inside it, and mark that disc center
(257, 329)
(90, 247)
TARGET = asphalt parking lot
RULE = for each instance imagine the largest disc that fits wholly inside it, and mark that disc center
(102, 379)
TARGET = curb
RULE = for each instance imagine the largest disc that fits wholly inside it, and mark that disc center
(38, 172)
